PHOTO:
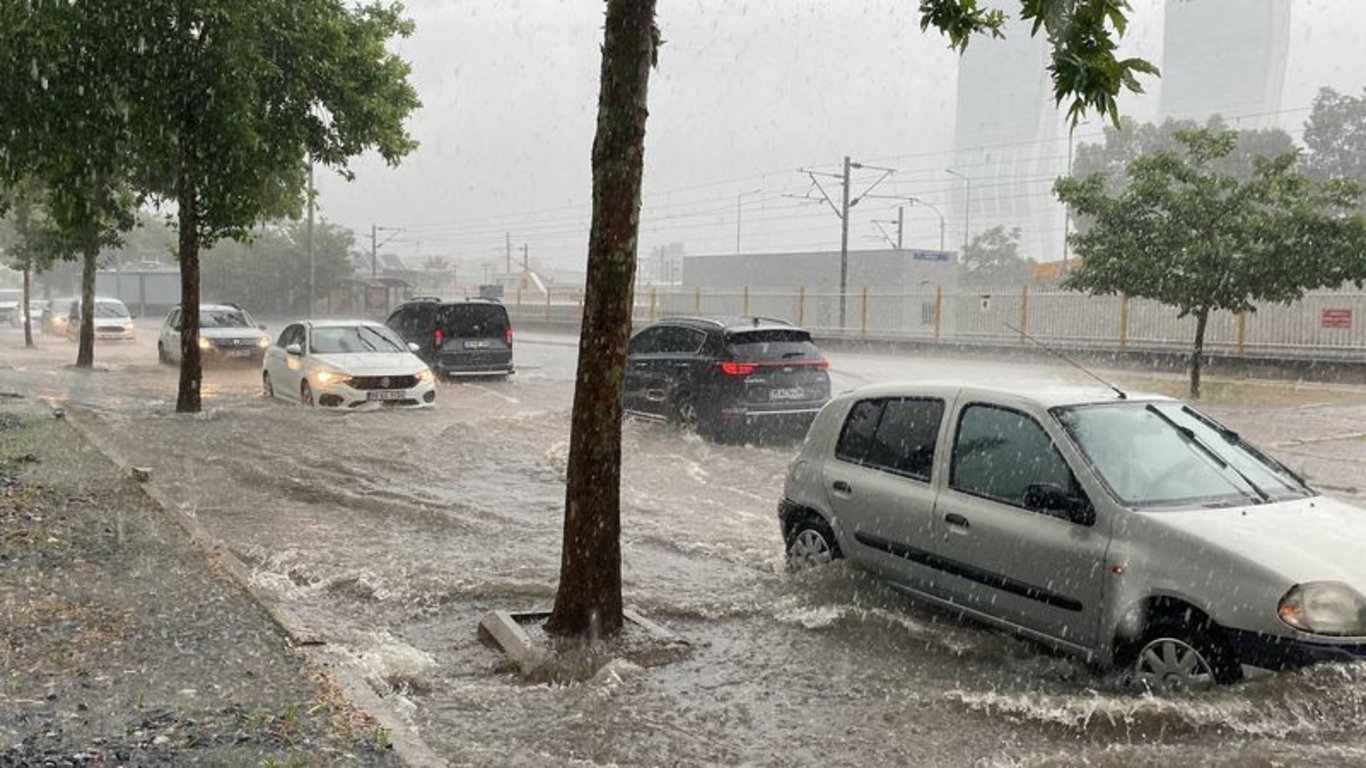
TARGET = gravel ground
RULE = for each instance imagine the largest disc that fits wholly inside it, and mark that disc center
(123, 645)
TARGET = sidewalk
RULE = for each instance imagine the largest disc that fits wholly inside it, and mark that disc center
(123, 645)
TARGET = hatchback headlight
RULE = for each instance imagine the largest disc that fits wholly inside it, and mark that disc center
(328, 377)
(1324, 608)
(424, 375)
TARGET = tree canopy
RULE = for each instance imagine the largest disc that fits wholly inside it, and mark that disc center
(1335, 136)
(993, 258)
(1201, 239)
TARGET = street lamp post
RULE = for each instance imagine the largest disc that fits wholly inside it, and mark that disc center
(937, 212)
(967, 203)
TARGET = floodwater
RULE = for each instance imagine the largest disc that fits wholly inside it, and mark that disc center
(391, 533)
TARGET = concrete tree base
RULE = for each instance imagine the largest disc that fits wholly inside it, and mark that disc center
(541, 658)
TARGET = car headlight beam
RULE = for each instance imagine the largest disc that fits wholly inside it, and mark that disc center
(205, 344)
(1324, 608)
(331, 377)
(424, 375)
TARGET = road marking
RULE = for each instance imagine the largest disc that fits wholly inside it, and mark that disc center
(1317, 440)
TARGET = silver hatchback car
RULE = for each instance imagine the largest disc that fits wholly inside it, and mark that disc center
(1131, 530)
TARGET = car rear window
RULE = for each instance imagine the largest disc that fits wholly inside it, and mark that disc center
(772, 344)
(474, 321)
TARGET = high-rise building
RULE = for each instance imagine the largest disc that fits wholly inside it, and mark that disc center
(1221, 61)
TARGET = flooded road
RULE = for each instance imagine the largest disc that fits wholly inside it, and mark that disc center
(391, 533)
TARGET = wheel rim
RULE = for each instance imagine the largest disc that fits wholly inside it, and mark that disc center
(265, 385)
(1169, 664)
(687, 413)
(808, 550)
(307, 395)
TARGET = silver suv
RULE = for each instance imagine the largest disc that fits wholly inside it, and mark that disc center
(1133, 531)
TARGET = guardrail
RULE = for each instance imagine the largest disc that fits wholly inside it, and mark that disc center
(1321, 326)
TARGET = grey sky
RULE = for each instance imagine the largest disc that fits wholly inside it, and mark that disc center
(744, 95)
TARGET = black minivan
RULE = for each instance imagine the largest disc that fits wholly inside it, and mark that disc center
(472, 337)
(728, 378)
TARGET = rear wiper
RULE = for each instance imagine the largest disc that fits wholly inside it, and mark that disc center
(1191, 438)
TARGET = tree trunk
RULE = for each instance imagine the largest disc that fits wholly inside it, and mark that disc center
(28, 316)
(589, 598)
(1198, 356)
(191, 367)
(85, 354)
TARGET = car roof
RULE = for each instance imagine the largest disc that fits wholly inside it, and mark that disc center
(1046, 395)
(343, 323)
(728, 322)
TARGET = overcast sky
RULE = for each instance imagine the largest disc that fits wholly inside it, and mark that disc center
(745, 94)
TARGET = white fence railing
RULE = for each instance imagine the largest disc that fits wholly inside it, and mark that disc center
(1327, 325)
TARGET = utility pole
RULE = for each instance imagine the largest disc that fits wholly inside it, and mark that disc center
(900, 224)
(312, 270)
(842, 211)
(844, 246)
(375, 243)
(525, 261)
(738, 198)
(509, 252)
(967, 203)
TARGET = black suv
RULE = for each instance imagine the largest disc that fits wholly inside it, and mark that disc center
(458, 338)
(726, 377)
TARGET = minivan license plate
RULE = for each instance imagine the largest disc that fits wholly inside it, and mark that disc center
(795, 393)
(394, 394)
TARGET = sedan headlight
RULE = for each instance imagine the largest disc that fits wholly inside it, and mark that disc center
(329, 377)
(424, 375)
(1324, 608)
(205, 344)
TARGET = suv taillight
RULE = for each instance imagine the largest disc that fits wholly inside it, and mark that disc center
(507, 335)
(737, 369)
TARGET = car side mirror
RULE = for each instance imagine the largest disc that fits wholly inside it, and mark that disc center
(294, 349)
(1052, 499)
(261, 327)
(414, 347)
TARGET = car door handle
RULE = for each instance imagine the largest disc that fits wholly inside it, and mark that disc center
(842, 487)
(956, 520)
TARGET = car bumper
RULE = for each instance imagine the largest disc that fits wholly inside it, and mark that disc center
(344, 397)
(234, 355)
(1258, 649)
(495, 362)
(115, 335)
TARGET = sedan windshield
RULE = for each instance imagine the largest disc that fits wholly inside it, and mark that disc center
(223, 318)
(339, 339)
(1169, 454)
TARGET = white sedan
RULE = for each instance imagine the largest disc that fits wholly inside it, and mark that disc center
(346, 364)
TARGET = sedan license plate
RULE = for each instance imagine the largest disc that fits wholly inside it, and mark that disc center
(238, 353)
(481, 344)
(792, 393)
(387, 394)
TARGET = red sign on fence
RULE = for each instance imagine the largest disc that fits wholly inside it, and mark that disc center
(1336, 318)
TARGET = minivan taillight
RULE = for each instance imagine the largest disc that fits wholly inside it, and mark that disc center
(737, 369)
(507, 335)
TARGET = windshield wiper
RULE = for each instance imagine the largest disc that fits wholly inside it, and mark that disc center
(1193, 439)
(1233, 438)
(378, 335)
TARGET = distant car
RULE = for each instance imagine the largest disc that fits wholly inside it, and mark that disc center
(227, 334)
(727, 378)
(35, 312)
(1131, 530)
(112, 321)
(55, 314)
(472, 337)
(10, 303)
(346, 364)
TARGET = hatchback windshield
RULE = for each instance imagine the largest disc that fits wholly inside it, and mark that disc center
(772, 344)
(223, 318)
(110, 309)
(338, 339)
(1169, 454)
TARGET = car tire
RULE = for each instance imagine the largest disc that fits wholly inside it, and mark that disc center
(306, 394)
(1175, 655)
(684, 414)
(267, 389)
(810, 544)
(162, 357)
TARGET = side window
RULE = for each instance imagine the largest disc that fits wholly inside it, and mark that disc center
(294, 334)
(906, 435)
(680, 340)
(174, 320)
(857, 436)
(647, 342)
(998, 453)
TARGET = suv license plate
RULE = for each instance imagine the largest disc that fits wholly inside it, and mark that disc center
(794, 393)
(238, 353)
(387, 394)
(476, 344)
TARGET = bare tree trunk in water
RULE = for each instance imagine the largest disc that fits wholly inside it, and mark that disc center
(1198, 357)
(85, 355)
(589, 598)
(28, 316)
(191, 368)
